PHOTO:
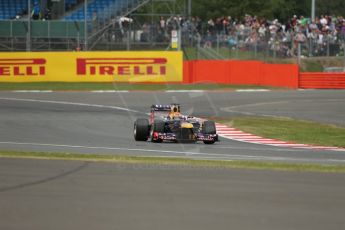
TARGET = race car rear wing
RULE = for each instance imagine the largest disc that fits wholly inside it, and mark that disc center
(163, 107)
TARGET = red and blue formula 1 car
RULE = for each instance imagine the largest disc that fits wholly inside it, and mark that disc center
(166, 123)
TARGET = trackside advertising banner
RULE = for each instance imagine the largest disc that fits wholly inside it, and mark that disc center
(91, 67)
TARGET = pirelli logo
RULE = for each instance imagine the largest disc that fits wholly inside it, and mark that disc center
(131, 66)
(22, 67)
(122, 66)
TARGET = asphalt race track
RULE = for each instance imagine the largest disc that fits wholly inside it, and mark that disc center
(40, 194)
(103, 123)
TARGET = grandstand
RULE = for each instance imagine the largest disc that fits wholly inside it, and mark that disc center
(101, 7)
(9, 9)
(69, 4)
(101, 13)
(105, 27)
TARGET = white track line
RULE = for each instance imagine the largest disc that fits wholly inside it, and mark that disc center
(32, 91)
(127, 91)
(185, 91)
(70, 103)
(51, 91)
(252, 90)
(238, 135)
(225, 131)
(110, 91)
(184, 153)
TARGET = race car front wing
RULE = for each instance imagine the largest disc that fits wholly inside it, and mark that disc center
(173, 137)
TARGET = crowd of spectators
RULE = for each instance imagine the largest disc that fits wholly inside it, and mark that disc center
(323, 36)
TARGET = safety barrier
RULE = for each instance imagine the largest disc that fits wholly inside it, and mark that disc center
(156, 67)
(132, 67)
(241, 73)
(322, 80)
(42, 29)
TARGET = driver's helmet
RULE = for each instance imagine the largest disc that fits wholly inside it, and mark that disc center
(174, 112)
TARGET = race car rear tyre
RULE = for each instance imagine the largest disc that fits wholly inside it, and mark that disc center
(157, 126)
(209, 127)
(141, 130)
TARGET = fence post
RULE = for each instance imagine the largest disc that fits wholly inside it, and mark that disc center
(299, 51)
(310, 47)
(49, 36)
(344, 54)
(198, 47)
(179, 44)
(28, 31)
(191, 38)
(218, 43)
(237, 45)
(85, 26)
(327, 46)
(11, 33)
(274, 49)
(129, 36)
(128, 47)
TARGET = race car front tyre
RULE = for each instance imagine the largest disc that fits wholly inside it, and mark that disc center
(209, 142)
(209, 127)
(141, 130)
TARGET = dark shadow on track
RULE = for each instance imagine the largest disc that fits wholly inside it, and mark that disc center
(45, 180)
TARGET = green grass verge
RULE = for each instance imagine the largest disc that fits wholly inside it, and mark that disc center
(308, 64)
(258, 165)
(227, 53)
(62, 86)
(312, 66)
(285, 129)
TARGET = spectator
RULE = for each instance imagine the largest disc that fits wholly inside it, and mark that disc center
(211, 26)
(313, 26)
(95, 21)
(273, 28)
(219, 25)
(36, 11)
(323, 20)
(144, 36)
(300, 37)
(303, 21)
(322, 34)
(162, 24)
(294, 21)
(47, 14)
(208, 40)
(198, 25)
(262, 31)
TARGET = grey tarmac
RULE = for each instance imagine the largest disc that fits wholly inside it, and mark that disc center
(43, 194)
(84, 122)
